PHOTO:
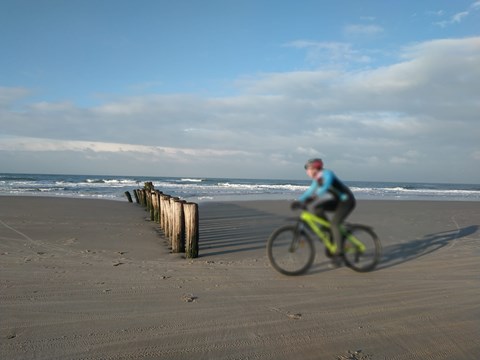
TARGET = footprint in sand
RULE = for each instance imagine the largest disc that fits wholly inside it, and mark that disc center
(70, 241)
(354, 355)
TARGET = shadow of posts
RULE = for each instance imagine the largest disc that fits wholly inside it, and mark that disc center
(227, 228)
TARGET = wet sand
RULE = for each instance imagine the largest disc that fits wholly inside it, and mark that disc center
(93, 279)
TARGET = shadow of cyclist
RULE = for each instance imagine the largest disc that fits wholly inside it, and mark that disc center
(399, 253)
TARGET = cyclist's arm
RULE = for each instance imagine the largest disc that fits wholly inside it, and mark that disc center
(327, 177)
(309, 192)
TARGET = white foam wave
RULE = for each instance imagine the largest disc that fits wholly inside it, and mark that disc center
(288, 187)
(426, 192)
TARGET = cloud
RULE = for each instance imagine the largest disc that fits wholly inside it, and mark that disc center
(418, 114)
(460, 16)
(46, 145)
(476, 155)
(363, 30)
(8, 96)
(329, 53)
(436, 12)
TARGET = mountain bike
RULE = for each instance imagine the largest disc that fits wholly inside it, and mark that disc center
(291, 251)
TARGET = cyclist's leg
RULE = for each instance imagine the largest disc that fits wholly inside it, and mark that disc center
(343, 210)
(328, 205)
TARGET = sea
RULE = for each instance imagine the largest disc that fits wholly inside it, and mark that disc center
(199, 189)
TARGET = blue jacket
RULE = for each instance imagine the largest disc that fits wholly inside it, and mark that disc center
(327, 182)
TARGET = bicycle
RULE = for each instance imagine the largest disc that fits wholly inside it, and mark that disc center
(291, 251)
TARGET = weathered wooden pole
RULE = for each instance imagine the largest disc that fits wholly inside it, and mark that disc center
(171, 215)
(153, 204)
(149, 186)
(163, 214)
(149, 200)
(156, 208)
(168, 220)
(136, 196)
(147, 191)
(191, 229)
(178, 229)
(129, 197)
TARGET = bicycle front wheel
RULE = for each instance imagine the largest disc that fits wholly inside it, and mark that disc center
(361, 248)
(290, 252)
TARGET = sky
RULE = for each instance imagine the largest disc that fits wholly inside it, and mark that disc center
(380, 90)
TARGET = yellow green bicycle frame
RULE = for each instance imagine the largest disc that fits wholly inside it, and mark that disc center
(313, 223)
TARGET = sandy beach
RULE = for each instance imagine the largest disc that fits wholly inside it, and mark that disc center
(94, 279)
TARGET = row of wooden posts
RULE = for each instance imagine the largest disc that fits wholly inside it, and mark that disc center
(177, 218)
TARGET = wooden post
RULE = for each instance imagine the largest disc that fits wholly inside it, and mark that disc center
(149, 186)
(171, 220)
(178, 219)
(156, 207)
(163, 213)
(148, 198)
(153, 204)
(178, 228)
(168, 220)
(136, 196)
(191, 230)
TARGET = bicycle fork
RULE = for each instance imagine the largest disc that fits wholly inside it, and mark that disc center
(296, 237)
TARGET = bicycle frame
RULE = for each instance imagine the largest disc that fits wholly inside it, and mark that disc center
(315, 223)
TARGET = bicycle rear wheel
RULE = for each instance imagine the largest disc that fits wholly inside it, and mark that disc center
(290, 252)
(355, 257)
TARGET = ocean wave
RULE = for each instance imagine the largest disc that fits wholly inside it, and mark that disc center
(415, 191)
(113, 187)
(289, 187)
(112, 182)
(95, 181)
(191, 180)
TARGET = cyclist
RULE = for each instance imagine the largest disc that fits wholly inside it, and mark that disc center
(342, 202)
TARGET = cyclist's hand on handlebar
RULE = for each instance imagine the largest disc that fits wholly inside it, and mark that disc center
(297, 205)
(309, 200)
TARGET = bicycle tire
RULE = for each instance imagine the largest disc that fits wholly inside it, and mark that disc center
(362, 261)
(290, 252)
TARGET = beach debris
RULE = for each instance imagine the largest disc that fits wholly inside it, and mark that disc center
(118, 263)
(294, 316)
(355, 355)
(11, 336)
(189, 298)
